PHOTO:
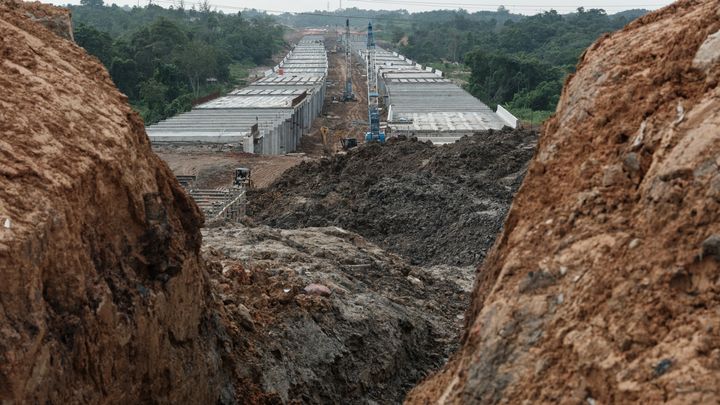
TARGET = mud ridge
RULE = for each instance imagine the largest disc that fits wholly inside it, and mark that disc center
(430, 204)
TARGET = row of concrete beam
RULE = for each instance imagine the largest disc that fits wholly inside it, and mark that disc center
(422, 103)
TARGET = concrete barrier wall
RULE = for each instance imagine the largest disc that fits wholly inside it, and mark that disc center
(248, 143)
(511, 120)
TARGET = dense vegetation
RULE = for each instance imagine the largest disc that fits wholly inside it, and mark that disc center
(163, 59)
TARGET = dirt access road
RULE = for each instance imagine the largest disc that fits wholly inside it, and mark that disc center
(214, 168)
(343, 119)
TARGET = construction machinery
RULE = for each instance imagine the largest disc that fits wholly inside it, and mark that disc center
(186, 181)
(326, 140)
(374, 134)
(348, 143)
(242, 179)
(347, 90)
(329, 141)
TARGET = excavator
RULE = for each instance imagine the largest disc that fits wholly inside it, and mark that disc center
(348, 143)
(242, 179)
(327, 140)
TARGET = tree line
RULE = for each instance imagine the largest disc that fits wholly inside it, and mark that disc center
(163, 59)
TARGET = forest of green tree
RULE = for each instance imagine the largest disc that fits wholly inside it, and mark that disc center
(164, 58)
(515, 60)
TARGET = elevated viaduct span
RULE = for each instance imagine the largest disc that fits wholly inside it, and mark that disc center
(421, 103)
(269, 116)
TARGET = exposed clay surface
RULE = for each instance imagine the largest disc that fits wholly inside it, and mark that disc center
(433, 205)
(103, 295)
(320, 315)
(603, 287)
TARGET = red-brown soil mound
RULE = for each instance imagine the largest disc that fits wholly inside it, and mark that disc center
(102, 291)
(604, 286)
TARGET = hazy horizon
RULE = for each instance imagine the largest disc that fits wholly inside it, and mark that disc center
(517, 6)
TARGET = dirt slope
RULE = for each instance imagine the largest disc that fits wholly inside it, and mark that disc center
(381, 328)
(603, 287)
(103, 295)
(433, 205)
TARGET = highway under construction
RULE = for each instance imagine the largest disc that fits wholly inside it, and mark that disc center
(395, 95)
(581, 266)
(331, 87)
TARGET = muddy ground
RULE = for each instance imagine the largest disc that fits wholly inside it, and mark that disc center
(430, 204)
(373, 327)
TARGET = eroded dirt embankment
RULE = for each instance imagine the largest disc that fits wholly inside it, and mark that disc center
(430, 204)
(603, 287)
(103, 296)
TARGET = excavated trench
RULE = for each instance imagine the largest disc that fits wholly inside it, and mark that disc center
(602, 286)
(350, 279)
(395, 249)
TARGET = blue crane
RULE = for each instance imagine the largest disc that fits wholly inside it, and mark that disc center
(374, 135)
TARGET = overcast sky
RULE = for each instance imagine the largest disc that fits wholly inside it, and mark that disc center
(515, 6)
